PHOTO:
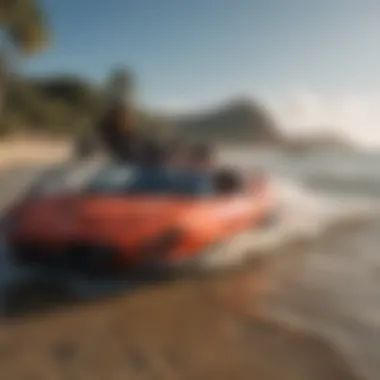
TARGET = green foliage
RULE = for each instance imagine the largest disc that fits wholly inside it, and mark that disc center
(61, 104)
(55, 104)
(65, 104)
(24, 25)
(24, 31)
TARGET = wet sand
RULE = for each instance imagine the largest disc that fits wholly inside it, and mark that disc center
(210, 328)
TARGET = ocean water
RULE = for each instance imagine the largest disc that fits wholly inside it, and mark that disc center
(335, 288)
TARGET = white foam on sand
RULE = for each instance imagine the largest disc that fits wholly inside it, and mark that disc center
(301, 215)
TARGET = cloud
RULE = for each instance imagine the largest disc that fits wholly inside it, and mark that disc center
(355, 115)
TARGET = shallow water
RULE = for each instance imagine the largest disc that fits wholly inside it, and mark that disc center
(334, 289)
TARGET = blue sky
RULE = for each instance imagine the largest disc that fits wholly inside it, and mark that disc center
(190, 52)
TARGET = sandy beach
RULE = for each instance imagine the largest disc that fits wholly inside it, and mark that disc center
(214, 328)
(22, 151)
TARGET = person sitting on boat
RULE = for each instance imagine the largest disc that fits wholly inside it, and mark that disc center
(117, 128)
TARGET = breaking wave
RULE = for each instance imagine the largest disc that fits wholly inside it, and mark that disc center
(303, 214)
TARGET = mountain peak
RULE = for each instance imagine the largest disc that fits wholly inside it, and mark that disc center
(241, 119)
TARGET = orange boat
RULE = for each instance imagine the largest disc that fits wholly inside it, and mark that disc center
(130, 218)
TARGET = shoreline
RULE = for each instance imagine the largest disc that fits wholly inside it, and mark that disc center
(213, 328)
